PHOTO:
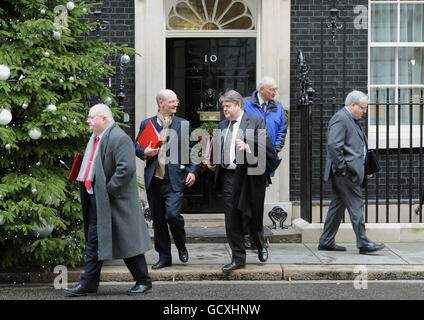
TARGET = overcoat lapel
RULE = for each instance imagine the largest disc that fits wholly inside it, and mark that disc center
(244, 124)
(175, 126)
(105, 142)
(223, 129)
(358, 130)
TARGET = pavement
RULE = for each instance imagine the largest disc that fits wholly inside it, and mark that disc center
(289, 259)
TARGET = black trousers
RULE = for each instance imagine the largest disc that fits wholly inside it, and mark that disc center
(165, 204)
(233, 218)
(91, 278)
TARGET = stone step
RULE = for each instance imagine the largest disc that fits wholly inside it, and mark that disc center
(210, 228)
(217, 235)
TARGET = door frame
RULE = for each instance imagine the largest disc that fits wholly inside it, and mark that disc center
(273, 59)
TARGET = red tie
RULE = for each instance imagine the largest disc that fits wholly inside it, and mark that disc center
(263, 107)
(88, 182)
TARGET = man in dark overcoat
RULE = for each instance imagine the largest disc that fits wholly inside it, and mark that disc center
(247, 159)
(114, 223)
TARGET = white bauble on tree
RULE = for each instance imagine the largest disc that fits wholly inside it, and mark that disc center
(42, 228)
(4, 72)
(125, 59)
(5, 117)
(70, 5)
(57, 35)
(35, 133)
(108, 100)
(51, 107)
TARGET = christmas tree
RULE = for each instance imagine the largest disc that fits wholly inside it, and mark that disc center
(51, 69)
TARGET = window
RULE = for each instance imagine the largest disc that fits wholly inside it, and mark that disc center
(209, 15)
(396, 66)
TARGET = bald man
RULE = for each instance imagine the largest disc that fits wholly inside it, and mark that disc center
(114, 225)
(166, 175)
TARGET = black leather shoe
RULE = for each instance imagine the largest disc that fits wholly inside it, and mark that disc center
(263, 254)
(79, 291)
(161, 264)
(232, 266)
(372, 247)
(250, 246)
(334, 247)
(183, 254)
(139, 289)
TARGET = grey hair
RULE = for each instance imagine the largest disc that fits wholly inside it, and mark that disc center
(102, 110)
(265, 80)
(163, 94)
(355, 97)
(232, 96)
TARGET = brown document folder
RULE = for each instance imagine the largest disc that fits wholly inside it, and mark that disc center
(75, 167)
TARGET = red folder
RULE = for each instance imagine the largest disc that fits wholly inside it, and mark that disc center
(75, 167)
(150, 134)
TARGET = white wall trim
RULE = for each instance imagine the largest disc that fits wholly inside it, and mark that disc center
(273, 59)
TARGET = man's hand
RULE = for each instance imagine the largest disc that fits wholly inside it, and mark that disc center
(191, 178)
(149, 151)
(242, 146)
(212, 168)
(369, 176)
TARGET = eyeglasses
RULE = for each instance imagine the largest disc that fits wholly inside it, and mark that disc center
(174, 101)
(363, 108)
(272, 89)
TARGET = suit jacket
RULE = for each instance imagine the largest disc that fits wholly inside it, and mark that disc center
(121, 228)
(345, 147)
(179, 147)
(249, 190)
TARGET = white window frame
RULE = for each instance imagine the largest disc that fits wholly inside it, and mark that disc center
(393, 128)
(253, 6)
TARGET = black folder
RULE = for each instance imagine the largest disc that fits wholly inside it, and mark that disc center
(372, 163)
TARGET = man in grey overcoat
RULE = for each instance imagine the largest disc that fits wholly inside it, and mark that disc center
(346, 167)
(114, 224)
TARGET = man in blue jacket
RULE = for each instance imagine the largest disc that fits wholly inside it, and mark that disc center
(263, 104)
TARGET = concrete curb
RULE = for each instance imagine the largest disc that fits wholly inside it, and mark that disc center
(252, 272)
(352, 272)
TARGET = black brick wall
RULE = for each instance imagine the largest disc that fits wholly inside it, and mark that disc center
(328, 84)
(120, 30)
(306, 18)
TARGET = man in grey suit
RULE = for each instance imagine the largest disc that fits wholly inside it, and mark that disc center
(345, 166)
(114, 224)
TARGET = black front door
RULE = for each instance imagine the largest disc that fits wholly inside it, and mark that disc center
(199, 70)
